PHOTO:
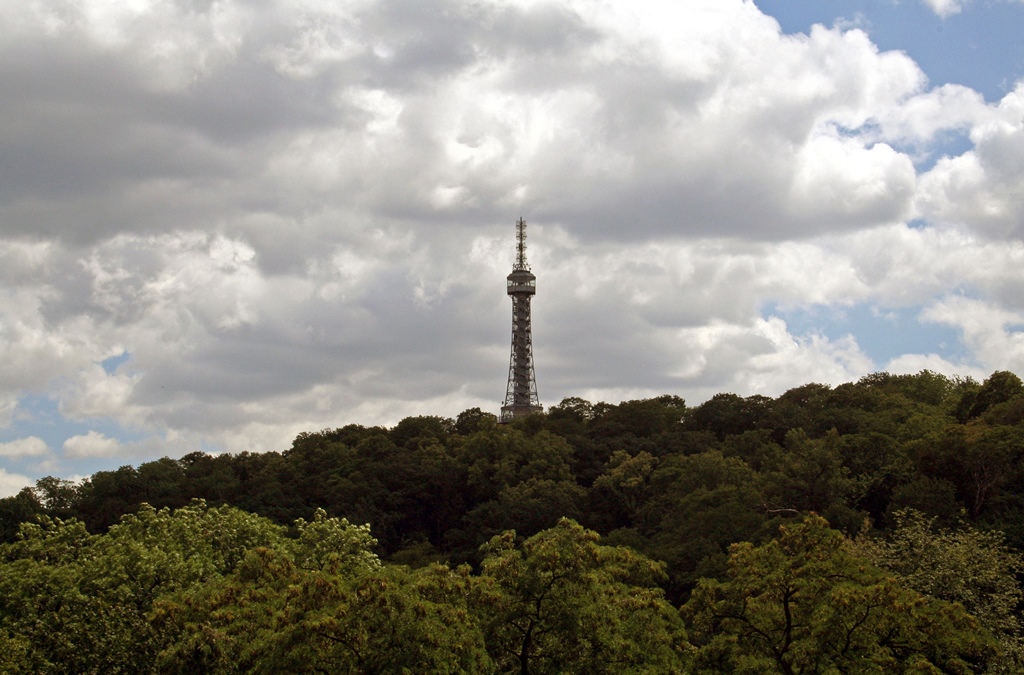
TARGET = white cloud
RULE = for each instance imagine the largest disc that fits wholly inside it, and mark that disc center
(993, 334)
(30, 446)
(981, 188)
(12, 483)
(920, 118)
(910, 364)
(945, 8)
(92, 444)
(840, 179)
(767, 359)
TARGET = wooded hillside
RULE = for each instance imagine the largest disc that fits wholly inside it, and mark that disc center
(876, 523)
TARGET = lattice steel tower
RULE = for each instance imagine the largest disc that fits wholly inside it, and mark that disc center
(521, 393)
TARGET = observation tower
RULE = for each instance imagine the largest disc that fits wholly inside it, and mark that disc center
(521, 393)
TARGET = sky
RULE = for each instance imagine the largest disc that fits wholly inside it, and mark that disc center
(226, 222)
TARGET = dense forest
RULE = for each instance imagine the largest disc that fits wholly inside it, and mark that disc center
(872, 527)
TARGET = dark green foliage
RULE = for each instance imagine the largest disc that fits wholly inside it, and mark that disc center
(729, 415)
(700, 504)
(473, 420)
(933, 497)
(16, 509)
(414, 431)
(1001, 387)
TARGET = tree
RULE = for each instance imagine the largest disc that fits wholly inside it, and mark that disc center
(504, 457)
(926, 386)
(809, 476)
(934, 497)
(806, 603)
(473, 420)
(572, 408)
(108, 495)
(623, 488)
(877, 464)
(531, 506)
(1000, 387)
(991, 457)
(700, 504)
(413, 430)
(640, 419)
(60, 498)
(17, 509)
(81, 601)
(963, 565)
(271, 616)
(335, 545)
(562, 603)
(729, 414)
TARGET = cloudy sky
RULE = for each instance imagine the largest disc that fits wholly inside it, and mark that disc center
(224, 222)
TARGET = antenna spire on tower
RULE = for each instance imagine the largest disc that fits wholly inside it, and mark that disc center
(521, 263)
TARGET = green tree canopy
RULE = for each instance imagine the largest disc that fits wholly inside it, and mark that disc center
(806, 603)
(964, 565)
(562, 603)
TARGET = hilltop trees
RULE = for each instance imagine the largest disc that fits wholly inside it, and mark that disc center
(125, 567)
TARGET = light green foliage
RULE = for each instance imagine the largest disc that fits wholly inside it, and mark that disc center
(164, 550)
(51, 540)
(271, 616)
(384, 622)
(81, 601)
(223, 625)
(562, 603)
(806, 603)
(334, 545)
(964, 565)
(53, 621)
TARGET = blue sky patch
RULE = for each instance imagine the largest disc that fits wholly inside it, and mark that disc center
(883, 334)
(981, 47)
(110, 365)
(40, 416)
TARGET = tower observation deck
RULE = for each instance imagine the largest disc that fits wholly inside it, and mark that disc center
(521, 393)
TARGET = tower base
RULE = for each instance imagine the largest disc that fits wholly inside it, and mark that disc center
(510, 412)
